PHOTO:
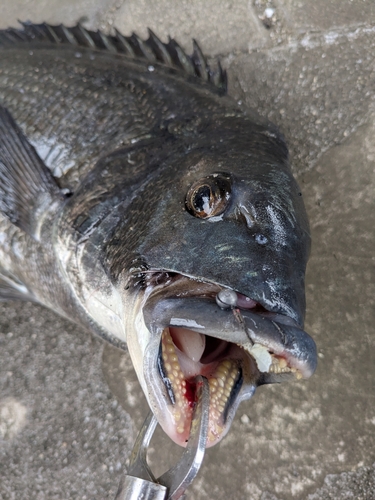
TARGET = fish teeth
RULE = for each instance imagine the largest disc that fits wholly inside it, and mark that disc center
(267, 362)
(221, 382)
(280, 365)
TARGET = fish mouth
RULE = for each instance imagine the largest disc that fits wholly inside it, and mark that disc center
(236, 349)
(223, 365)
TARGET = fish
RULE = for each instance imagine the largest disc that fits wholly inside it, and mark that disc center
(144, 204)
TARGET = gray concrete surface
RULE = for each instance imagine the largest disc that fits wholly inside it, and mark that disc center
(66, 426)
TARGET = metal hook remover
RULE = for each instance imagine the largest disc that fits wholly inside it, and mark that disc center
(140, 483)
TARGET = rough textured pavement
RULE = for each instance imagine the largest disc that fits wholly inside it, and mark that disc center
(67, 426)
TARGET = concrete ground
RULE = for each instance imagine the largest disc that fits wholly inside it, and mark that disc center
(70, 406)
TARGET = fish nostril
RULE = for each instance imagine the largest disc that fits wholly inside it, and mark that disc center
(250, 221)
(261, 239)
(246, 216)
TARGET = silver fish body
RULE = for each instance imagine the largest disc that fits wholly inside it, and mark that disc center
(132, 192)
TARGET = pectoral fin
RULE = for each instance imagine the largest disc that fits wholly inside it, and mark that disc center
(27, 187)
(12, 289)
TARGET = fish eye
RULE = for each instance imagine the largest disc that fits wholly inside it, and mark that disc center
(209, 196)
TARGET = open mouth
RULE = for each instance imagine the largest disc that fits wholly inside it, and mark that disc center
(236, 347)
(184, 355)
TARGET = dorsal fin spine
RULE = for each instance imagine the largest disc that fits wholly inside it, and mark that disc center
(14, 36)
(159, 48)
(180, 58)
(199, 62)
(127, 48)
(69, 35)
(83, 36)
(107, 42)
(142, 49)
(152, 49)
(52, 33)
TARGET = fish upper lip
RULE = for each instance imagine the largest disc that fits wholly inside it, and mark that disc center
(280, 334)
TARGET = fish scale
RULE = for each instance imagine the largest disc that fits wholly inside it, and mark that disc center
(66, 129)
(132, 191)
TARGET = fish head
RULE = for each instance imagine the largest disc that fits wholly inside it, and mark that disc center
(229, 221)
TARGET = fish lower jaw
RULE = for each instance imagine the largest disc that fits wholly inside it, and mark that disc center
(179, 372)
(185, 354)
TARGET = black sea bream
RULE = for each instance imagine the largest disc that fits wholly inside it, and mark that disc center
(140, 202)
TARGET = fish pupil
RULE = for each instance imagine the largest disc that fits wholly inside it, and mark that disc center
(202, 200)
(209, 196)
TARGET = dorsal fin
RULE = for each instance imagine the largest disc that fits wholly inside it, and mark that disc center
(152, 50)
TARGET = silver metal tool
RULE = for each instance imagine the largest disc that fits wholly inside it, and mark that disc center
(140, 484)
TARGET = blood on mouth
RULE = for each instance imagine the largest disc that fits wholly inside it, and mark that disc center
(186, 354)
